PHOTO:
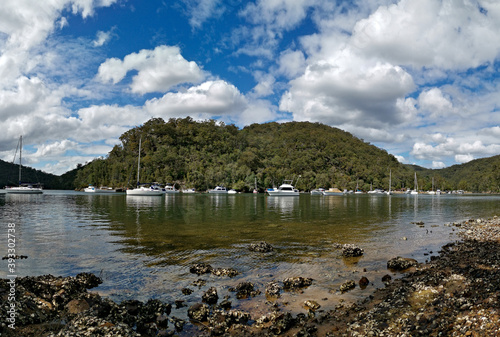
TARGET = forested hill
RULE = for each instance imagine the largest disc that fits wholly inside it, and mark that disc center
(209, 153)
(9, 176)
(480, 175)
(206, 154)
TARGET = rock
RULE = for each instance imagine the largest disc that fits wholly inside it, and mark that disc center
(261, 247)
(401, 263)
(187, 291)
(296, 282)
(198, 312)
(386, 278)
(77, 306)
(210, 296)
(312, 305)
(346, 286)
(201, 268)
(350, 250)
(281, 322)
(273, 289)
(363, 282)
(224, 272)
(245, 290)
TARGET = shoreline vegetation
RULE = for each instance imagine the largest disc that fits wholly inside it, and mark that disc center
(456, 293)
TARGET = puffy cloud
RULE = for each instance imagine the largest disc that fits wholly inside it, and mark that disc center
(202, 10)
(103, 38)
(438, 165)
(347, 91)
(461, 150)
(426, 33)
(53, 150)
(291, 63)
(158, 70)
(265, 87)
(463, 158)
(432, 100)
(209, 99)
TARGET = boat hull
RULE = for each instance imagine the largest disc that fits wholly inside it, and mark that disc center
(23, 190)
(283, 193)
(145, 192)
(326, 193)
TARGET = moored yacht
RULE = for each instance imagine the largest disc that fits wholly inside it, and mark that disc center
(143, 189)
(318, 191)
(23, 188)
(93, 189)
(218, 190)
(285, 189)
(170, 189)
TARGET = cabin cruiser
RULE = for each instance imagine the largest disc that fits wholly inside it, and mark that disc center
(218, 190)
(93, 189)
(170, 189)
(285, 189)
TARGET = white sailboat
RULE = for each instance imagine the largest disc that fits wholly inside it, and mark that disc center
(142, 189)
(390, 183)
(23, 188)
(415, 191)
(432, 192)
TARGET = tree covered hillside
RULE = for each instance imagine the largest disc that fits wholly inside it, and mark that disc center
(480, 175)
(9, 176)
(209, 153)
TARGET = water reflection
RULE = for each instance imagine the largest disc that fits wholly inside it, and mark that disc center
(284, 205)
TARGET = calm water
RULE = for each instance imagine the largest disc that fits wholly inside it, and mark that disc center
(143, 246)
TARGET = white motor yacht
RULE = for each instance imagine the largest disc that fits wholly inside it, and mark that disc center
(218, 190)
(285, 189)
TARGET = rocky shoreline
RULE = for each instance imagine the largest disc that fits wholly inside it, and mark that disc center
(455, 294)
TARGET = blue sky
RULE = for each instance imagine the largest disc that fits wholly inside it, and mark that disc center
(418, 78)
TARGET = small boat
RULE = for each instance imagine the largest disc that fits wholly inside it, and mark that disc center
(318, 191)
(255, 190)
(218, 190)
(24, 188)
(170, 189)
(144, 189)
(285, 189)
(333, 191)
(189, 190)
(231, 191)
(93, 189)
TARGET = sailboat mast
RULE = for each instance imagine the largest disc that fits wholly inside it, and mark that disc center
(139, 161)
(20, 156)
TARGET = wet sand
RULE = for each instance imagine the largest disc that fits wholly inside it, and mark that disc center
(455, 294)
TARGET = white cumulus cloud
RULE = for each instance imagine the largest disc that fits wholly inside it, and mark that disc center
(159, 70)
